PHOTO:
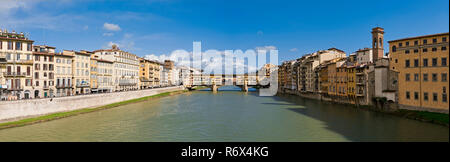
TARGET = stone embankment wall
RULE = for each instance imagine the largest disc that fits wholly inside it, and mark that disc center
(13, 110)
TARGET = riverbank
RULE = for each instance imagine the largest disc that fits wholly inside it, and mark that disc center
(424, 116)
(60, 115)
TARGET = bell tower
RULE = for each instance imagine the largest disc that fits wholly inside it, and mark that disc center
(377, 43)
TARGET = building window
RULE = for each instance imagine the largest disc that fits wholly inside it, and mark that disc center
(407, 95)
(435, 97)
(416, 95)
(416, 62)
(396, 60)
(416, 43)
(407, 63)
(394, 49)
(434, 49)
(407, 76)
(416, 50)
(425, 77)
(434, 77)
(29, 47)
(444, 39)
(18, 45)
(425, 41)
(406, 51)
(425, 50)
(444, 61)
(425, 96)
(407, 43)
(434, 62)
(36, 75)
(10, 45)
(400, 44)
(444, 97)
(425, 62)
(416, 77)
(444, 77)
(434, 40)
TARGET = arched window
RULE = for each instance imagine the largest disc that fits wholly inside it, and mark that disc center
(381, 42)
(394, 48)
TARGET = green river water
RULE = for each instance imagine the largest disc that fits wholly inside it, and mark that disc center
(230, 116)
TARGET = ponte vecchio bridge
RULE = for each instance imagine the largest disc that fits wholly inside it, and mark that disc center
(215, 81)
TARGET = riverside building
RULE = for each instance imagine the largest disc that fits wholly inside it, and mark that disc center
(44, 71)
(422, 63)
(126, 68)
(80, 71)
(16, 53)
(64, 73)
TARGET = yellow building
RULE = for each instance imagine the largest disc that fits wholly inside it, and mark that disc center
(93, 82)
(422, 63)
(145, 71)
(351, 82)
(16, 49)
(80, 71)
(341, 78)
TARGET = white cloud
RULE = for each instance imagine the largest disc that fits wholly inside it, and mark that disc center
(111, 27)
(108, 34)
(293, 50)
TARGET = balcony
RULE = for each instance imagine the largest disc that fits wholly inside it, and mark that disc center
(16, 88)
(46, 87)
(127, 84)
(21, 61)
(63, 86)
(82, 85)
(15, 74)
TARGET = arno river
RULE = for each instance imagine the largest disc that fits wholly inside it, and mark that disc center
(230, 116)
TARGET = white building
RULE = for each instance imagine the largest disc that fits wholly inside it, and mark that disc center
(364, 56)
(126, 67)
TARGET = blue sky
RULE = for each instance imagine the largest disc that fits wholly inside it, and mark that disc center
(161, 26)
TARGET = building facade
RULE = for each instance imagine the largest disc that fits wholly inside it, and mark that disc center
(44, 71)
(16, 50)
(105, 76)
(64, 74)
(422, 63)
(126, 67)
